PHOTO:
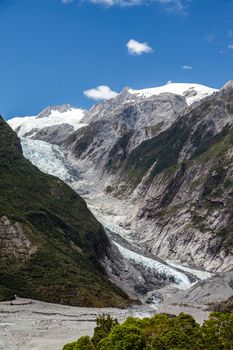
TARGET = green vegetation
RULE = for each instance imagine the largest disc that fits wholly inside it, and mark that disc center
(68, 240)
(104, 325)
(160, 332)
(84, 343)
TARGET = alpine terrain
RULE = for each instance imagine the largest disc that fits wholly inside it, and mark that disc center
(155, 168)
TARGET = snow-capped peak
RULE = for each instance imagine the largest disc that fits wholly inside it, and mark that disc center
(192, 92)
(51, 109)
(50, 116)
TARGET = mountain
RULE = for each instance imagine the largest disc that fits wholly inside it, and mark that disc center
(178, 179)
(155, 167)
(183, 178)
(51, 244)
(57, 120)
(191, 92)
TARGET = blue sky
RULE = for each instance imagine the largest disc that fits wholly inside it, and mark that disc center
(51, 51)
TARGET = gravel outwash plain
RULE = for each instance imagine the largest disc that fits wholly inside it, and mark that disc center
(27, 324)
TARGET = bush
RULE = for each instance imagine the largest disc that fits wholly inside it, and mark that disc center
(123, 337)
(105, 323)
(69, 346)
(218, 331)
(160, 332)
(83, 343)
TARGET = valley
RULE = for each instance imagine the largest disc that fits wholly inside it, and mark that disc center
(115, 214)
(156, 172)
(116, 175)
(135, 268)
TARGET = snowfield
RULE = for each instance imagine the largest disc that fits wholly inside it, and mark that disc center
(192, 92)
(71, 116)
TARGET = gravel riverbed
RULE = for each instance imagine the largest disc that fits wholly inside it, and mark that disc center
(34, 325)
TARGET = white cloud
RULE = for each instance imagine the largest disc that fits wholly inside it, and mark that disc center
(230, 34)
(230, 47)
(187, 67)
(110, 3)
(66, 1)
(137, 48)
(175, 6)
(210, 37)
(169, 82)
(101, 92)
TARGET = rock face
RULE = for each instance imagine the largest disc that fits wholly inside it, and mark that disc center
(217, 288)
(183, 178)
(13, 241)
(57, 133)
(60, 109)
(115, 129)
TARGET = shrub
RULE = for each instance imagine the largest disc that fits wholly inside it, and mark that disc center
(83, 343)
(105, 324)
(69, 346)
(123, 337)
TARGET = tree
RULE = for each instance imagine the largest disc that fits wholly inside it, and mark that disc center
(105, 323)
(83, 343)
(218, 331)
(123, 337)
(69, 346)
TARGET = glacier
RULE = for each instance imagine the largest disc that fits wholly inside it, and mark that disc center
(49, 159)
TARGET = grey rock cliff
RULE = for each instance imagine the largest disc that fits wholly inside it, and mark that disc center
(116, 127)
(14, 241)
